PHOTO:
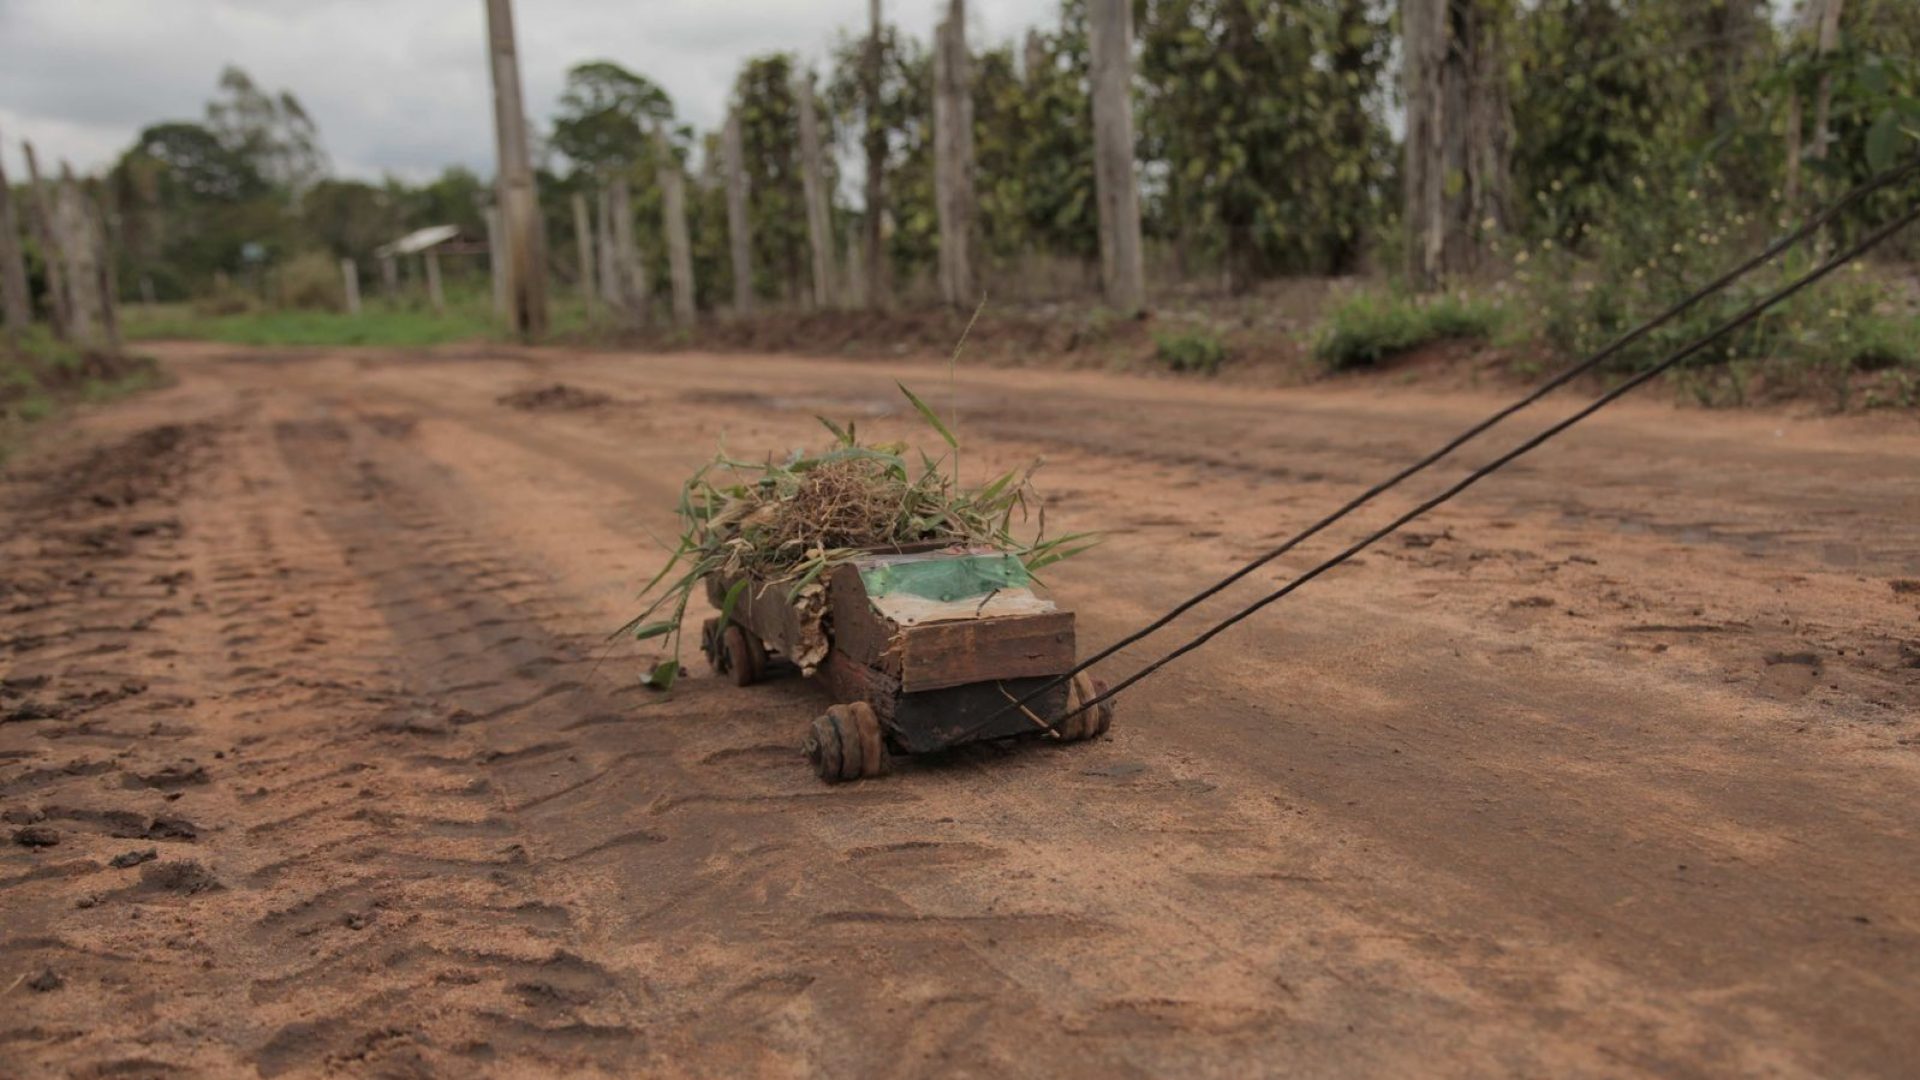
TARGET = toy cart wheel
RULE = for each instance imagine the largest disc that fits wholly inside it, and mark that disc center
(745, 657)
(711, 648)
(847, 744)
(1092, 723)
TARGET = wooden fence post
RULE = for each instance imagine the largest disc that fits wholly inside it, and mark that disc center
(518, 198)
(103, 237)
(583, 239)
(350, 282)
(16, 303)
(611, 289)
(813, 181)
(953, 156)
(739, 229)
(632, 275)
(673, 198)
(435, 295)
(1117, 193)
(51, 257)
(874, 259)
(72, 226)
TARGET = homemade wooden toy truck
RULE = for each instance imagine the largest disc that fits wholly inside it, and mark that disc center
(922, 650)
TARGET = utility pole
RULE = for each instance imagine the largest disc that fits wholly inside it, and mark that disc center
(1117, 194)
(953, 156)
(673, 201)
(739, 229)
(878, 283)
(51, 256)
(518, 199)
(16, 304)
(496, 262)
(813, 182)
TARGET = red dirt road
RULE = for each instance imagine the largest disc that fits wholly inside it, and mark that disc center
(1610, 768)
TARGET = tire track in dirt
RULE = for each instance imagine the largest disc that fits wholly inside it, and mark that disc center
(1436, 820)
(648, 843)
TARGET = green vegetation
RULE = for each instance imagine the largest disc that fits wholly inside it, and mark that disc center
(376, 325)
(43, 375)
(1198, 351)
(1628, 150)
(1370, 326)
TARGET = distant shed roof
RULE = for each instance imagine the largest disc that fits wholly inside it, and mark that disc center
(418, 240)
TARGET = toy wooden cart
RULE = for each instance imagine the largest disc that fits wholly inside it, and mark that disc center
(921, 650)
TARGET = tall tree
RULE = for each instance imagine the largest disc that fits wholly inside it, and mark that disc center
(604, 116)
(271, 132)
(1458, 133)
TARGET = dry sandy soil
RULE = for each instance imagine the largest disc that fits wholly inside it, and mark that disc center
(309, 760)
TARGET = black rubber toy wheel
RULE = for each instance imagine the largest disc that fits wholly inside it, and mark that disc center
(1092, 723)
(847, 744)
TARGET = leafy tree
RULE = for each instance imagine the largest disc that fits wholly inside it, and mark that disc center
(1033, 143)
(272, 133)
(183, 162)
(1262, 123)
(606, 113)
(349, 218)
(905, 118)
(770, 145)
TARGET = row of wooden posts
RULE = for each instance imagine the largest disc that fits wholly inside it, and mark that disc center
(611, 271)
(71, 235)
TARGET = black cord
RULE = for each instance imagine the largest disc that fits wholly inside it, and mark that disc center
(1807, 228)
(1752, 312)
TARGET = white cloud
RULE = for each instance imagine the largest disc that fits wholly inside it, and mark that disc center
(396, 86)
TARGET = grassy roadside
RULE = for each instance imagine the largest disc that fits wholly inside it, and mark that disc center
(43, 376)
(380, 323)
(1854, 346)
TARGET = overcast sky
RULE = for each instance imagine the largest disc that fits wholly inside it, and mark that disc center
(396, 86)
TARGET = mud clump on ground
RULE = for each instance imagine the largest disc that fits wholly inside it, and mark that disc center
(559, 397)
(185, 876)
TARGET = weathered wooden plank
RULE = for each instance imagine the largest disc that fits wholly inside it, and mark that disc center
(858, 630)
(937, 655)
(977, 712)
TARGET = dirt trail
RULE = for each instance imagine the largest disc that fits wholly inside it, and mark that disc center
(309, 761)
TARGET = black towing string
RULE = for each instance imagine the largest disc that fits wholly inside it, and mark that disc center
(1806, 229)
(1752, 312)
